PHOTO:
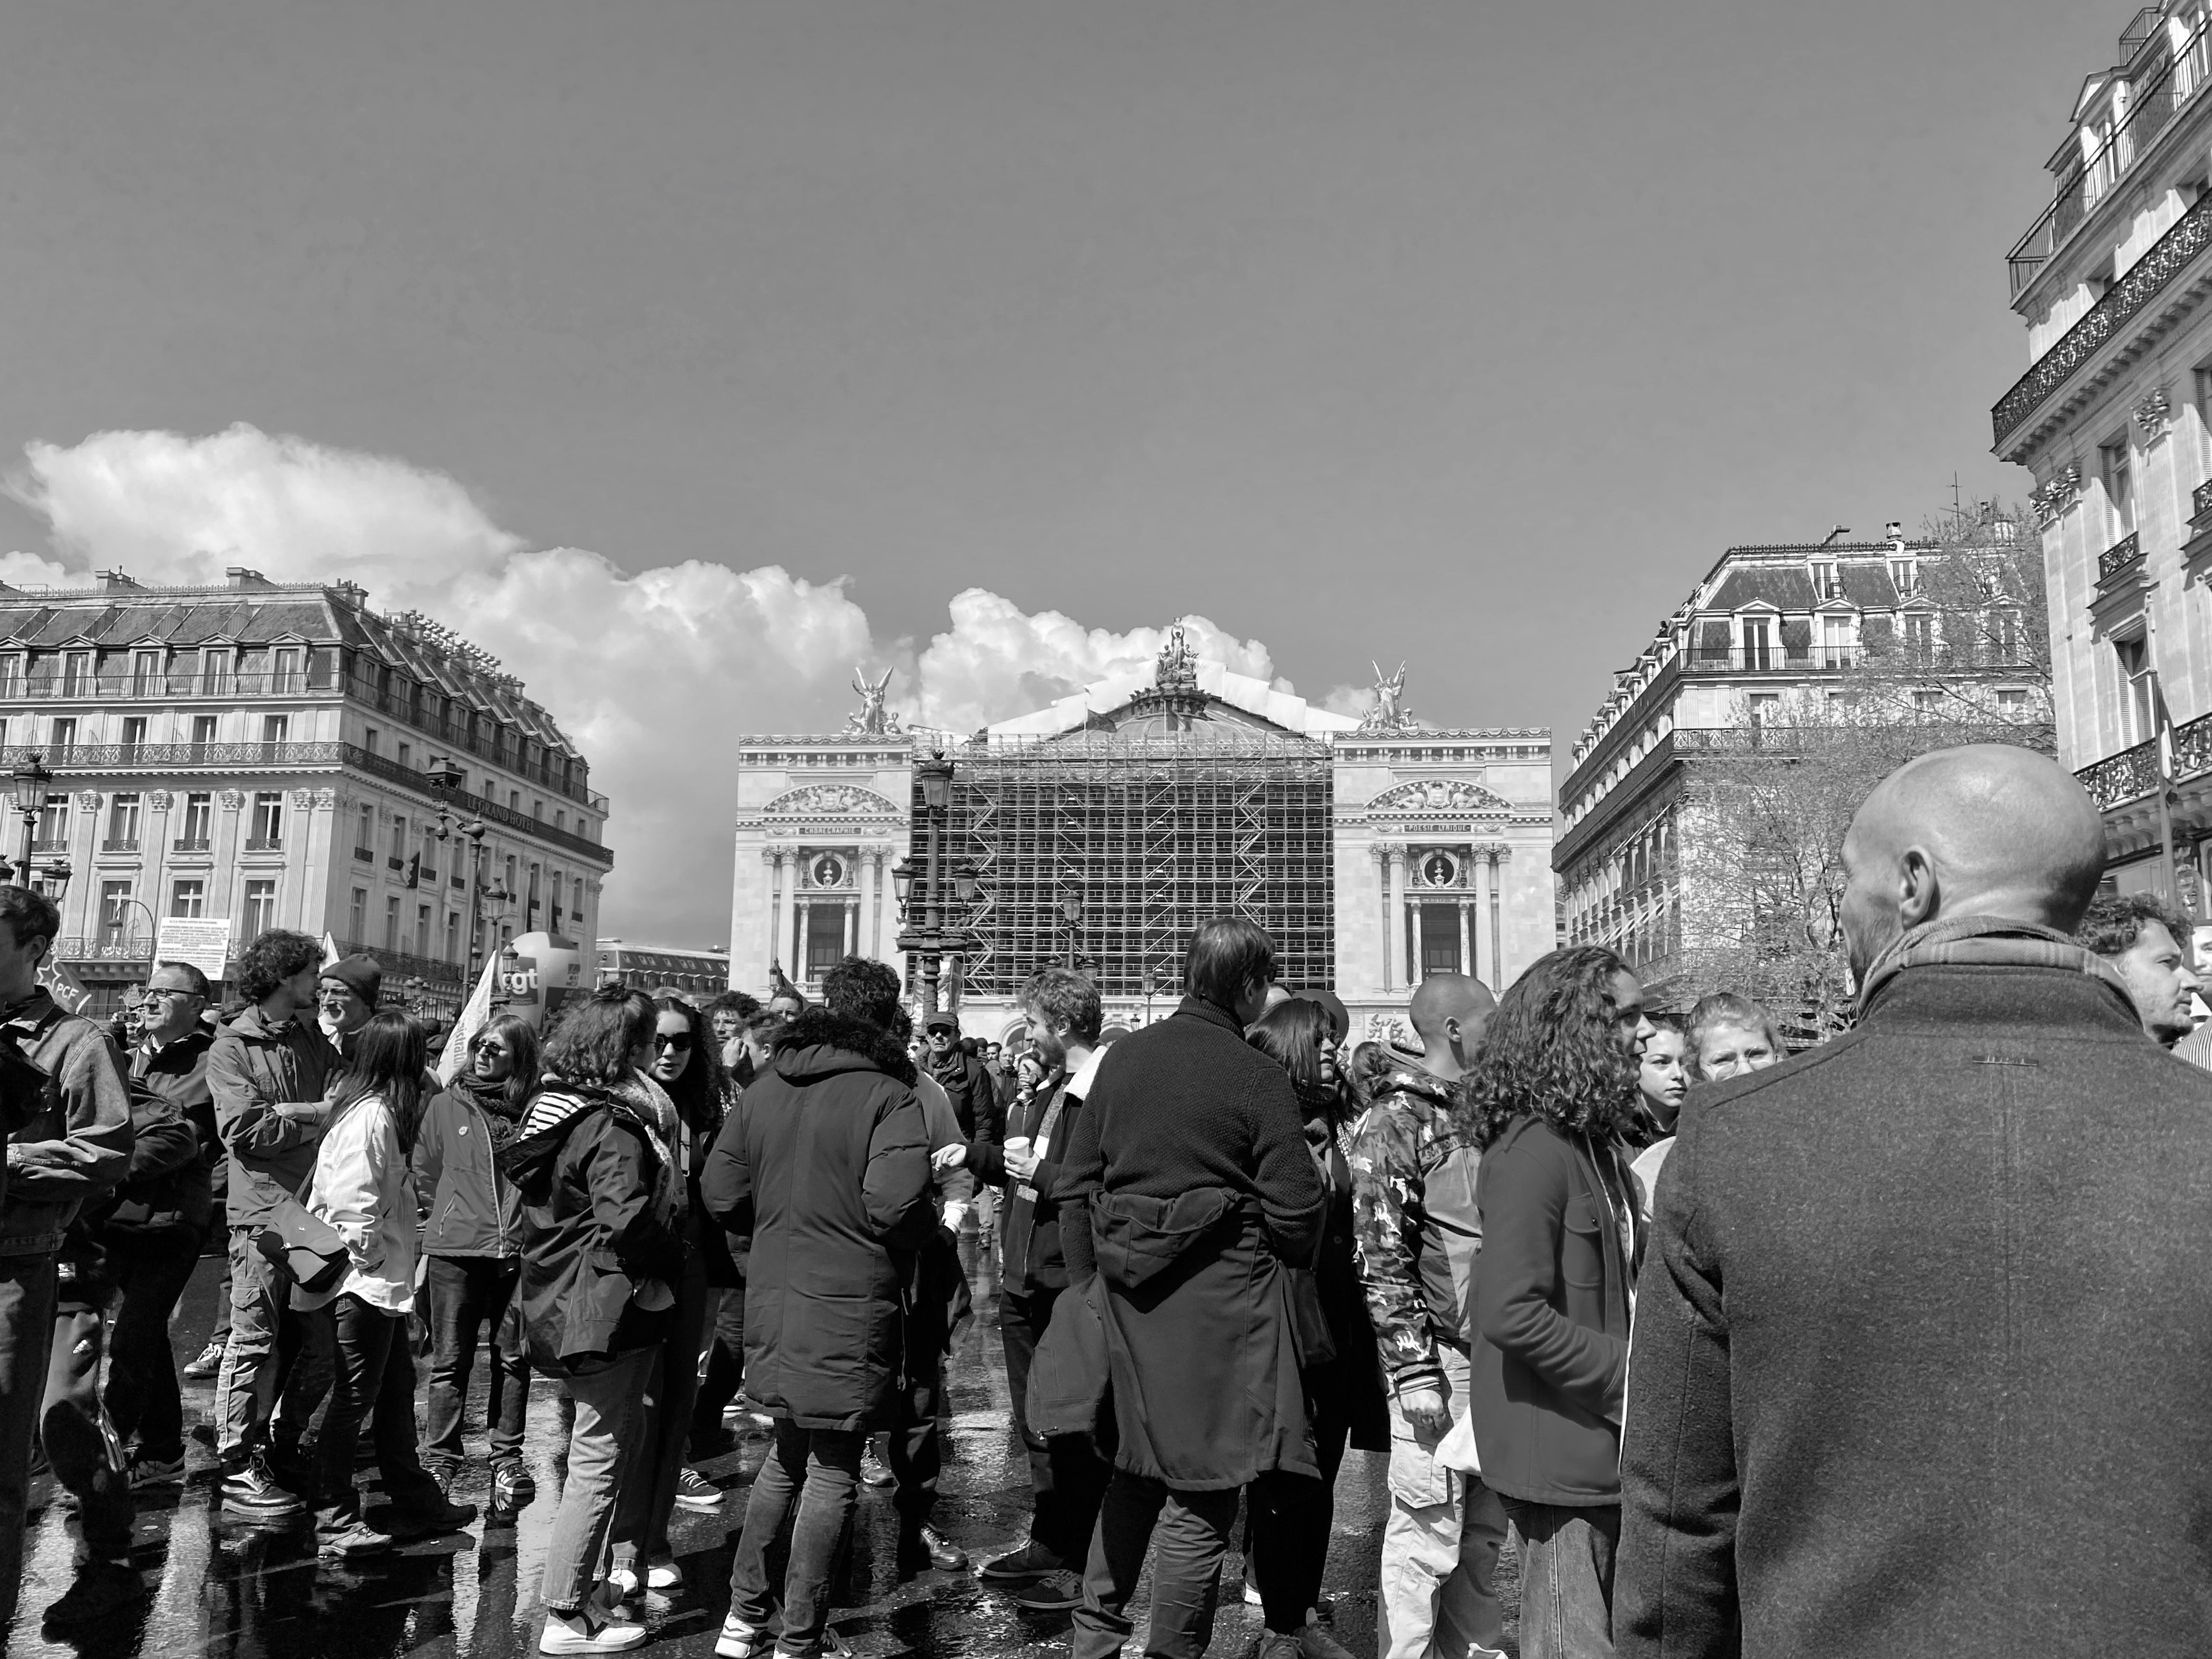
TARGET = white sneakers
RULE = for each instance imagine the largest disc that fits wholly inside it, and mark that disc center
(589, 1631)
(740, 1640)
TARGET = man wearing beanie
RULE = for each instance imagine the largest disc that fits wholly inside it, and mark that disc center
(346, 998)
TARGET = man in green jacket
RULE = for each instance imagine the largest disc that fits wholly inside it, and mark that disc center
(268, 1072)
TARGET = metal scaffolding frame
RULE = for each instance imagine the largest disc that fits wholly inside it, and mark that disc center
(1149, 832)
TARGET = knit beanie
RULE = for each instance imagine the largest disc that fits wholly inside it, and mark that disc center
(359, 975)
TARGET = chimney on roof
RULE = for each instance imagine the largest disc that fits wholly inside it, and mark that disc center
(1894, 530)
(238, 576)
(112, 580)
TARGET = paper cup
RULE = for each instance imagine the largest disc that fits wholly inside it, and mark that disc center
(1017, 1144)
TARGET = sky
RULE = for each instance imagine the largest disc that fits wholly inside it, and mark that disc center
(687, 354)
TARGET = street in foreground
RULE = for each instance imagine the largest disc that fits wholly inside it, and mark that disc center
(216, 1588)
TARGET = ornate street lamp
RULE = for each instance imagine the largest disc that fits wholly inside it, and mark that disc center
(445, 779)
(31, 779)
(931, 939)
(58, 876)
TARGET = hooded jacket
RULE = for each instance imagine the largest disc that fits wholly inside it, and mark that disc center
(824, 1164)
(600, 1219)
(470, 1209)
(77, 1142)
(269, 1084)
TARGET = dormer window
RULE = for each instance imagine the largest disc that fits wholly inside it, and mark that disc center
(1904, 573)
(1825, 585)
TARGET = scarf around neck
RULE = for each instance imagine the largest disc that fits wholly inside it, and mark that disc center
(1991, 942)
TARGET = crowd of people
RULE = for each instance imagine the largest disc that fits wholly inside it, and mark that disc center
(1843, 1352)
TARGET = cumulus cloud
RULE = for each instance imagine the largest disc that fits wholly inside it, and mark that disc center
(995, 661)
(646, 671)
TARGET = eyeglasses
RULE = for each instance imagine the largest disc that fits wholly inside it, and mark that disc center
(679, 1041)
(152, 991)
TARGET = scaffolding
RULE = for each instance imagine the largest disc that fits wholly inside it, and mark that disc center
(1142, 834)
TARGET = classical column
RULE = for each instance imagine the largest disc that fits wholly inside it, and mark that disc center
(1376, 855)
(1466, 949)
(850, 909)
(1497, 856)
(787, 907)
(870, 927)
(1417, 966)
(778, 863)
(1395, 933)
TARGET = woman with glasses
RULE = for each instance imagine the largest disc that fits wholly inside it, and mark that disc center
(687, 1068)
(602, 1254)
(362, 1187)
(472, 1236)
(1290, 1517)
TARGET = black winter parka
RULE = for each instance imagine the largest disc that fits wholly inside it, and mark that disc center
(824, 1164)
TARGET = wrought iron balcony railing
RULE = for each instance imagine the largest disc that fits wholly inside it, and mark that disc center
(190, 844)
(288, 756)
(120, 844)
(264, 844)
(2134, 772)
(2124, 776)
(2122, 556)
(2154, 99)
(2144, 280)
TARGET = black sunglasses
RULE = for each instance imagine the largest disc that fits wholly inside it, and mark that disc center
(679, 1041)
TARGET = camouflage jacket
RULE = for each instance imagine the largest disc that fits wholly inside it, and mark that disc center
(1404, 1237)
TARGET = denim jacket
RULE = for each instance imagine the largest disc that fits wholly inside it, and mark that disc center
(78, 1142)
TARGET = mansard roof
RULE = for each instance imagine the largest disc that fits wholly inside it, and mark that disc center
(256, 612)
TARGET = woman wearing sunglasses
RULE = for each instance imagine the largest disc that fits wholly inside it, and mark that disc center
(472, 1235)
(687, 1066)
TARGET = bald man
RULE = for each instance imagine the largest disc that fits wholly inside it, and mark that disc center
(1926, 1319)
(1416, 1233)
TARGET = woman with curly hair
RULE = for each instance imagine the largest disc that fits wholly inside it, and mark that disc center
(1553, 1100)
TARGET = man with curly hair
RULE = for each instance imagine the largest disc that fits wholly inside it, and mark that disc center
(1415, 1233)
(2148, 940)
(1552, 1102)
(269, 1071)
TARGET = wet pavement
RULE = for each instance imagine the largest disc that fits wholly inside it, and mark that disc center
(217, 1588)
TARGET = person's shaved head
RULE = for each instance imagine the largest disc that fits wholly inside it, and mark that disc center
(1448, 1013)
(1987, 830)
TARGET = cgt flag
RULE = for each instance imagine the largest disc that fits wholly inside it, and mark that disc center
(473, 1018)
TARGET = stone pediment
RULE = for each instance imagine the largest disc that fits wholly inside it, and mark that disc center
(1450, 798)
(833, 800)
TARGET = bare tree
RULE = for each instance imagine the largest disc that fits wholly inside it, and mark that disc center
(1758, 847)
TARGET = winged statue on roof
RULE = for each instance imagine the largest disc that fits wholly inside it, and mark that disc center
(871, 718)
(1390, 713)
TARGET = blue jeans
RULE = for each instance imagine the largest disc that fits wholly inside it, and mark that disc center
(470, 1297)
(610, 1396)
(817, 1471)
(1566, 1578)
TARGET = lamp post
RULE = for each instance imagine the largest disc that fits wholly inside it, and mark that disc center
(933, 937)
(496, 898)
(445, 778)
(31, 779)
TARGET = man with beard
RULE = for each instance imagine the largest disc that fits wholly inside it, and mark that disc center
(2148, 942)
(1067, 1477)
